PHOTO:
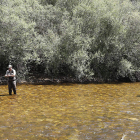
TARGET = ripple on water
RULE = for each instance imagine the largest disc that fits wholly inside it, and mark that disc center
(75, 111)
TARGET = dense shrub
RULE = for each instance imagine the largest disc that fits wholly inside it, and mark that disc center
(83, 39)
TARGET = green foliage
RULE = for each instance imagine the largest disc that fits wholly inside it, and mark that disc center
(67, 4)
(46, 2)
(83, 39)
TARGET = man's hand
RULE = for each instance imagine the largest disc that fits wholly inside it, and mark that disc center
(12, 75)
(9, 75)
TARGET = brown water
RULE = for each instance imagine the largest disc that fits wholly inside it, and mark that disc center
(71, 112)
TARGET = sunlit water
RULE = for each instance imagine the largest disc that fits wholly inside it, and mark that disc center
(71, 112)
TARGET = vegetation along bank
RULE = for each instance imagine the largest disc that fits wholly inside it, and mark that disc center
(84, 40)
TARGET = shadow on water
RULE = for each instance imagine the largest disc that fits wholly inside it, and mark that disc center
(5, 95)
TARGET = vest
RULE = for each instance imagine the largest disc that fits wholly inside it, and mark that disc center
(11, 78)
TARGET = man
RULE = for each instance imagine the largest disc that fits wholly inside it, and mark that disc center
(10, 74)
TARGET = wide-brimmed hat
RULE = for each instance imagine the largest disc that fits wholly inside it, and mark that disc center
(10, 66)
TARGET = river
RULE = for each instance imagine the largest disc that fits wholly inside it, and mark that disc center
(71, 112)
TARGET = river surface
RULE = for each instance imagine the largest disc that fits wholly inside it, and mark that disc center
(71, 112)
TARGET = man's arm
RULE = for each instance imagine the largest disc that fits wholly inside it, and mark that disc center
(12, 75)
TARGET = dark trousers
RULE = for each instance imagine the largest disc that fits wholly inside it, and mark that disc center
(12, 85)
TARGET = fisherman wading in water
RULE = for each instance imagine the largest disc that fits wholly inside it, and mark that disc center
(10, 74)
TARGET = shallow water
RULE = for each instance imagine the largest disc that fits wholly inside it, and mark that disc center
(71, 112)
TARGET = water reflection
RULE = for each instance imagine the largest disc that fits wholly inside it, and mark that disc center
(72, 111)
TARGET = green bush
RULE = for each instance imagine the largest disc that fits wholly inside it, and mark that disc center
(83, 39)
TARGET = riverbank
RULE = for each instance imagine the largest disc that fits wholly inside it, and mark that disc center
(61, 80)
(56, 81)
